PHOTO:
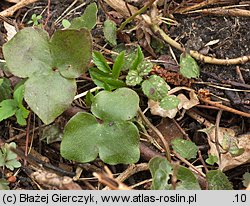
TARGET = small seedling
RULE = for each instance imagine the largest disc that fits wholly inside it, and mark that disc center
(10, 107)
(8, 158)
(35, 20)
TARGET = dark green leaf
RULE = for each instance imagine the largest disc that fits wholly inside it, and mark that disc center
(4, 184)
(5, 89)
(217, 180)
(89, 98)
(87, 20)
(117, 66)
(101, 62)
(185, 148)
(138, 59)
(109, 31)
(105, 80)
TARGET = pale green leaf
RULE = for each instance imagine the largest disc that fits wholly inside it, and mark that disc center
(217, 180)
(169, 102)
(49, 95)
(66, 24)
(246, 179)
(28, 52)
(188, 66)
(87, 20)
(185, 148)
(109, 31)
(155, 88)
(144, 68)
(133, 78)
(122, 104)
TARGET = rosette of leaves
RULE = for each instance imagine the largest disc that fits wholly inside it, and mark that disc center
(109, 132)
(105, 77)
(50, 66)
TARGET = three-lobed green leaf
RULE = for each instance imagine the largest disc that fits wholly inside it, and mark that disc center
(87, 20)
(185, 148)
(112, 136)
(30, 53)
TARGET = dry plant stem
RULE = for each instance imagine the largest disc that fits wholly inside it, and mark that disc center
(197, 6)
(198, 118)
(189, 164)
(131, 18)
(197, 55)
(225, 108)
(157, 132)
(27, 139)
(224, 12)
(10, 11)
(131, 170)
(141, 183)
(217, 131)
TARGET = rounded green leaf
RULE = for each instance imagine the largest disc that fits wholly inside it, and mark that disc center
(115, 141)
(217, 180)
(188, 66)
(185, 148)
(71, 51)
(155, 88)
(28, 52)
(122, 104)
(49, 95)
(80, 138)
(109, 31)
(169, 102)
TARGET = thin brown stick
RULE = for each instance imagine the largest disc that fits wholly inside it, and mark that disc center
(157, 132)
(226, 108)
(10, 11)
(217, 133)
